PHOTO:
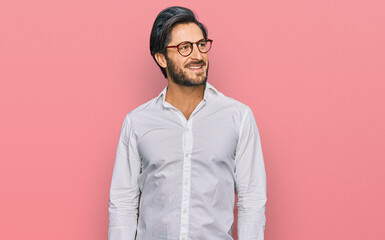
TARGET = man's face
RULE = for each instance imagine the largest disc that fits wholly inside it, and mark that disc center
(178, 67)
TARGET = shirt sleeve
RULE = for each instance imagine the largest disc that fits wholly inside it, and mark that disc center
(250, 181)
(124, 190)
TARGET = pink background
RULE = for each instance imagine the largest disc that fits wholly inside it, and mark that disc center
(312, 72)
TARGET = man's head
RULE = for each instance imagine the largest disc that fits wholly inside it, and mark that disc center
(172, 26)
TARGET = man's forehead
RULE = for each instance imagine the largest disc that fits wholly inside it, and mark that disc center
(186, 32)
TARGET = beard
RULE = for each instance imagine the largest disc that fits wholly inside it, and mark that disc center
(180, 77)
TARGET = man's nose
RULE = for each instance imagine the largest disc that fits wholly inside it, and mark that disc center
(196, 54)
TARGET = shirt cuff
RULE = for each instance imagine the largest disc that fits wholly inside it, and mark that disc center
(126, 232)
(250, 232)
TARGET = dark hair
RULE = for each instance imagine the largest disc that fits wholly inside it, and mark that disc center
(163, 26)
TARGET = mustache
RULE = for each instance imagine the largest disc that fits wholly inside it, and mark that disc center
(203, 63)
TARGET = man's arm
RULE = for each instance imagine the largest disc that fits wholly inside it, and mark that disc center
(124, 191)
(250, 181)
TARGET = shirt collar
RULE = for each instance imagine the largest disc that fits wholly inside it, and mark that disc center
(209, 89)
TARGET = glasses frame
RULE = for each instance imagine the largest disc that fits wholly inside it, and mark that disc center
(192, 46)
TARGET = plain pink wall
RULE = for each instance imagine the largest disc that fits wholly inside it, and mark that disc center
(313, 73)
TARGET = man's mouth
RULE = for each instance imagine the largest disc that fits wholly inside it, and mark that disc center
(195, 67)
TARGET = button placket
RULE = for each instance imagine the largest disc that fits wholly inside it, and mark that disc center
(187, 150)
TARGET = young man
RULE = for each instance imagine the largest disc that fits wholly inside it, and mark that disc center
(187, 150)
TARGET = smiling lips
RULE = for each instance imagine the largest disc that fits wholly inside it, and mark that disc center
(195, 67)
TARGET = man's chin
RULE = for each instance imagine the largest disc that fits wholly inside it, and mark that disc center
(201, 82)
(191, 83)
(198, 78)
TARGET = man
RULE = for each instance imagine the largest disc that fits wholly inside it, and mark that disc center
(187, 150)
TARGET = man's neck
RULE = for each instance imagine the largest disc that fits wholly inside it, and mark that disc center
(185, 98)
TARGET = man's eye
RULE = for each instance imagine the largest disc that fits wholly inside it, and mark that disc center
(202, 44)
(183, 47)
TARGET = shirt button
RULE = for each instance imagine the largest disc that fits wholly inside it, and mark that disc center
(187, 154)
(185, 211)
(185, 182)
(182, 238)
(187, 129)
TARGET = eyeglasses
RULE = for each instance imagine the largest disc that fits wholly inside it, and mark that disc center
(186, 48)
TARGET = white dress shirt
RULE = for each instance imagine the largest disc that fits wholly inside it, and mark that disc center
(187, 171)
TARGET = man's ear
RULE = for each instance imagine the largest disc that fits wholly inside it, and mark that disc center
(161, 59)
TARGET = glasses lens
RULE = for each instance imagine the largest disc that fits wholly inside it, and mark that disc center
(204, 46)
(185, 49)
